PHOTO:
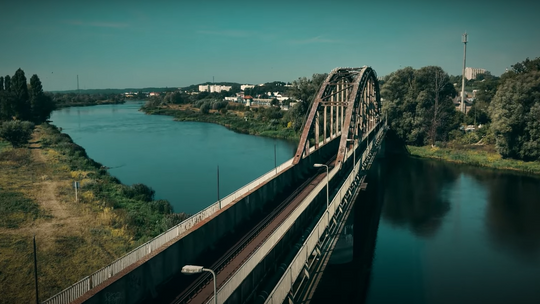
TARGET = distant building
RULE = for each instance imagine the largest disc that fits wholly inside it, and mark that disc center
(213, 88)
(153, 94)
(472, 73)
(247, 86)
(233, 99)
(248, 100)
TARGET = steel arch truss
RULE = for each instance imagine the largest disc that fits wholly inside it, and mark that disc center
(350, 103)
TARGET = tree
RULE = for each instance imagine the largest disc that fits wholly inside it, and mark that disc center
(486, 90)
(274, 102)
(205, 107)
(7, 83)
(304, 90)
(1, 84)
(19, 88)
(515, 115)
(419, 104)
(16, 132)
(41, 104)
(7, 102)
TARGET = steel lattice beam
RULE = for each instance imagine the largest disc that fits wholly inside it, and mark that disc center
(354, 93)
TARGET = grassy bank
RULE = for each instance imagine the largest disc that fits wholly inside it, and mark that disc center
(74, 238)
(475, 156)
(237, 121)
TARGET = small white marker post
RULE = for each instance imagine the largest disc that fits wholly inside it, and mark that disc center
(76, 186)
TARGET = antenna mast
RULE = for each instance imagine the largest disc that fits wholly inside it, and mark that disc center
(464, 40)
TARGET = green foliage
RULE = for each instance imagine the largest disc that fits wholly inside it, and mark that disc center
(304, 90)
(41, 105)
(475, 157)
(17, 102)
(16, 132)
(7, 83)
(15, 209)
(62, 100)
(134, 205)
(140, 192)
(260, 91)
(515, 114)
(419, 104)
(19, 88)
(205, 107)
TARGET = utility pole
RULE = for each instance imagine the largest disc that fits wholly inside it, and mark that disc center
(464, 40)
(35, 271)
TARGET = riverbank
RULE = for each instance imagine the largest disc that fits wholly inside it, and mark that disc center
(237, 121)
(475, 157)
(74, 238)
(88, 103)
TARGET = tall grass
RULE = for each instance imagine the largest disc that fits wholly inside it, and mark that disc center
(108, 220)
(480, 158)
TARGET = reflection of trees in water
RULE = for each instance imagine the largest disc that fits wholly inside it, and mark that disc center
(413, 195)
(513, 212)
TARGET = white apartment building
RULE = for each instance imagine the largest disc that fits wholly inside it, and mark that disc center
(247, 86)
(471, 73)
(213, 88)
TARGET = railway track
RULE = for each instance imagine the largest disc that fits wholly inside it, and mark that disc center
(201, 289)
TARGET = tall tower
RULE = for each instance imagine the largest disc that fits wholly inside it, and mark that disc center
(462, 105)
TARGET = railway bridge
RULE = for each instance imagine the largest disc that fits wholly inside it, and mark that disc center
(269, 241)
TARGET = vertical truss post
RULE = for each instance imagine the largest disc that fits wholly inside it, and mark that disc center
(324, 125)
(331, 121)
(317, 130)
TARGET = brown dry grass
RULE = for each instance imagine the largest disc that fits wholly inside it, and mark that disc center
(73, 239)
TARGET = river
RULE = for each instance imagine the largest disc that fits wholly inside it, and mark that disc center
(179, 160)
(447, 233)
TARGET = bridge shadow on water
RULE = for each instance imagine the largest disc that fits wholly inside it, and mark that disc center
(347, 276)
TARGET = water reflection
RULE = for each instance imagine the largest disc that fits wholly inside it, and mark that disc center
(513, 213)
(416, 200)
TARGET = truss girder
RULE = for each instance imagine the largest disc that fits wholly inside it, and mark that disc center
(352, 94)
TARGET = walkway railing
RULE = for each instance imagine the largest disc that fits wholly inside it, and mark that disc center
(76, 290)
(285, 284)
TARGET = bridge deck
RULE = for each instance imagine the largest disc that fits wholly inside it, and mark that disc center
(223, 275)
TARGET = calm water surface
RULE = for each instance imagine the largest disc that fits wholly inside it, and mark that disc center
(456, 234)
(177, 159)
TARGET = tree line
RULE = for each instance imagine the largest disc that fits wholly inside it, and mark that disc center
(420, 108)
(24, 101)
(22, 105)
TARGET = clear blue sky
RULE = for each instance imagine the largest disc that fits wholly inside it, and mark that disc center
(119, 44)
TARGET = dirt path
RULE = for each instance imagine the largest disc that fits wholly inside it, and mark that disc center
(64, 216)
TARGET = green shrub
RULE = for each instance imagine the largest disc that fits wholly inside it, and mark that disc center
(16, 132)
(205, 108)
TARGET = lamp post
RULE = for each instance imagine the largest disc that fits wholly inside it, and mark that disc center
(327, 196)
(191, 269)
(354, 154)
